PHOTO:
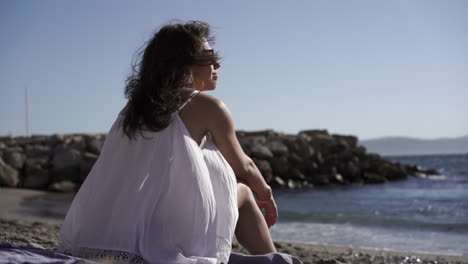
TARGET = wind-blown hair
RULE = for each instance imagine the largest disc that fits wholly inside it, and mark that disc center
(154, 86)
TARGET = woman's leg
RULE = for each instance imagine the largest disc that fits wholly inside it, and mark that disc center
(251, 229)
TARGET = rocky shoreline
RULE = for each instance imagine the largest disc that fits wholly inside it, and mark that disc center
(310, 158)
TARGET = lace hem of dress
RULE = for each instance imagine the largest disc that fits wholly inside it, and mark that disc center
(64, 246)
(224, 250)
(99, 254)
(116, 255)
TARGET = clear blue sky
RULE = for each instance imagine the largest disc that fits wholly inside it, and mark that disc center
(368, 68)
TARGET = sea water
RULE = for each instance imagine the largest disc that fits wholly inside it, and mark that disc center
(418, 214)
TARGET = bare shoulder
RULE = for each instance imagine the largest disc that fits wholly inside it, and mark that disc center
(205, 113)
(211, 105)
(217, 116)
(209, 100)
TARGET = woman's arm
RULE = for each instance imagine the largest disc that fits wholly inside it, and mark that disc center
(221, 127)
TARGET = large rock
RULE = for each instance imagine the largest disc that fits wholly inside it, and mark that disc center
(290, 142)
(9, 141)
(296, 174)
(95, 144)
(330, 171)
(36, 174)
(37, 139)
(314, 132)
(350, 141)
(66, 157)
(8, 176)
(319, 179)
(393, 172)
(15, 159)
(262, 133)
(318, 157)
(38, 180)
(253, 140)
(295, 143)
(34, 166)
(16, 149)
(311, 167)
(345, 156)
(3, 147)
(37, 151)
(63, 186)
(296, 161)
(305, 151)
(350, 171)
(292, 184)
(265, 169)
(261, 152)
(248, 142)
(277, 182)
(319, 137)
(277, 148)
(73, 174)
(280, 165)
(55, 140)
(370, 177)
(76, 142)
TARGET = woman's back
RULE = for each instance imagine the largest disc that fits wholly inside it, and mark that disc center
(151, 197)
(198, 114)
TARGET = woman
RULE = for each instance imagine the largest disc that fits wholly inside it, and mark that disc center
(164, 187)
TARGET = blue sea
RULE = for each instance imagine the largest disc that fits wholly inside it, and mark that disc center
(428, 215)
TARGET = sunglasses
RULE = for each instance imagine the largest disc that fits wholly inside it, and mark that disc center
(208, 57)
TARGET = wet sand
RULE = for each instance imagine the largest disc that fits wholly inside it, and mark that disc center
(27, 217)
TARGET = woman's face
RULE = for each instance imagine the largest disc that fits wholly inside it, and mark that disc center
(204, 72)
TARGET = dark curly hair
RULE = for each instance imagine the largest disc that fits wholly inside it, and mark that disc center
(153, 88)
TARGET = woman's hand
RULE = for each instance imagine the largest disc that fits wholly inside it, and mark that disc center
(266, 201)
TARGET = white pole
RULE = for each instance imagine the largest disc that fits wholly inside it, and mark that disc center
(26, 97)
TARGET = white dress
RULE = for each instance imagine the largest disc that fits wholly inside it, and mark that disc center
(158, 199)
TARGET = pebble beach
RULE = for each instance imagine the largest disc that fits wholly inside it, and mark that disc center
(18, 225)
(45, 235)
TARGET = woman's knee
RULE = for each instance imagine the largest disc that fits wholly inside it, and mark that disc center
(244, 195)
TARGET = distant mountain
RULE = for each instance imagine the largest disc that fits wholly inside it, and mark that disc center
(392, 146)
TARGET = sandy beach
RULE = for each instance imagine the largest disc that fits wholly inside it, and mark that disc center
(26, 218)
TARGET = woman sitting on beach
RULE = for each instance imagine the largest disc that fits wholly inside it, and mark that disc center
(164, 188)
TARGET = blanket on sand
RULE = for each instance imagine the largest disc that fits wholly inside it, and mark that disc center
(12, 253)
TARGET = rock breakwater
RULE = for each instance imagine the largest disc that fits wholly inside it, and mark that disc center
(310, 158)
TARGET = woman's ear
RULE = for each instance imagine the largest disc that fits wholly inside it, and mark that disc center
(202, 86)
(196, 82)
(191, 78)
